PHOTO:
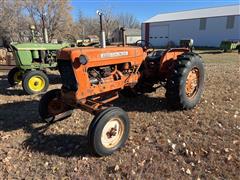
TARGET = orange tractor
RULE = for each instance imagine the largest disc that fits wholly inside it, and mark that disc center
(93, 77)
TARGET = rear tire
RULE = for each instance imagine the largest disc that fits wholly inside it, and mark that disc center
(35, 82)
(15, 76)
(51, 98)
(185, 86)
(108, 131)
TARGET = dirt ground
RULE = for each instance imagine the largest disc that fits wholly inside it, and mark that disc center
(203, 143)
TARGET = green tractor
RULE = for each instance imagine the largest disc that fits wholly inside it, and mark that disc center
(228, 46)
(32, 60)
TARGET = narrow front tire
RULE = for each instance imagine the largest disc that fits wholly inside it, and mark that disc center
(109, 131)
(50, 105)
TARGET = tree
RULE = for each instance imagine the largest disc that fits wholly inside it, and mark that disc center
(128, 21)
(110, 22)
(90, 25)
(53, 15)
(11, 20)
(87, 25)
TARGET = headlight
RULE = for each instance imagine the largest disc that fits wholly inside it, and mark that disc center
(83, 59)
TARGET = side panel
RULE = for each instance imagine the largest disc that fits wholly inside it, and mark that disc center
(24, 58)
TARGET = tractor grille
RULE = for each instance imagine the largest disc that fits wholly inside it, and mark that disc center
(67, 75)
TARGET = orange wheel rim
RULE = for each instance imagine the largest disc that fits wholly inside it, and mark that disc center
(55, 107)
(192, 83)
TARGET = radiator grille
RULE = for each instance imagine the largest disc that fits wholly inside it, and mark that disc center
(67, 75)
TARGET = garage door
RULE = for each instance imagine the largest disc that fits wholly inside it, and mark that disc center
(158, 35)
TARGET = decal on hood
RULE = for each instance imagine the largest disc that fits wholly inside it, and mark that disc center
(114, 54)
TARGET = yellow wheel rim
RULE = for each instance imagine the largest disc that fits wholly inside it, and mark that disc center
(36, 83)
(18, 77)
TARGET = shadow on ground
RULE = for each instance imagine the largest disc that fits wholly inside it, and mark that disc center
(54, 79)
(5, 88)
(211, 52)
(63, 145)
(22, 115)
(144, 103)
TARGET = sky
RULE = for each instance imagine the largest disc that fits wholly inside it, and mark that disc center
(143, 9)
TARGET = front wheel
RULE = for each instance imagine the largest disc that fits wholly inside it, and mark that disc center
(15, 76)
(35, 82)
(109, 131)
(185, 86)
(51, 105)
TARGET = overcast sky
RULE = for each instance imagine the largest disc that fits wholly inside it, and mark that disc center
(144, 9)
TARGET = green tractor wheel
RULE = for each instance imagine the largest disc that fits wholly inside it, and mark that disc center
(35, 82)
(15, 76)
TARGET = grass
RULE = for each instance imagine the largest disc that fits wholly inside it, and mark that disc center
(219, 57)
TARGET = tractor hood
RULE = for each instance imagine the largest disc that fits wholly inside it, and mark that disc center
(38, 46)
(101, 54)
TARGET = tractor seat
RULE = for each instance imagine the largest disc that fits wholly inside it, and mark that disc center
(155, 55)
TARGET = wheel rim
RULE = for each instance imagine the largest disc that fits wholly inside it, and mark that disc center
(36, 83)
(112, 133)
(18, 77)
(55, 107)
(192, 83)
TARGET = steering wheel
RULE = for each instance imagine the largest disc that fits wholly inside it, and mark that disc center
(147, 46)
(9, 48)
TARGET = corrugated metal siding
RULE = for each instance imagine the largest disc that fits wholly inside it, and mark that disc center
(195, 14)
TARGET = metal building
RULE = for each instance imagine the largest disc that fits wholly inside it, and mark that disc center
(208, 27)
(131, 35)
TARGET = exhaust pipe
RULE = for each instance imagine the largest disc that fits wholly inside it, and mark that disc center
(103, 39)
(123, 36)
(45, 35)
(102, 33)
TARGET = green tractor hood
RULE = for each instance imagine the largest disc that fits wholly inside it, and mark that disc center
(27, 55)
(38, 46)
